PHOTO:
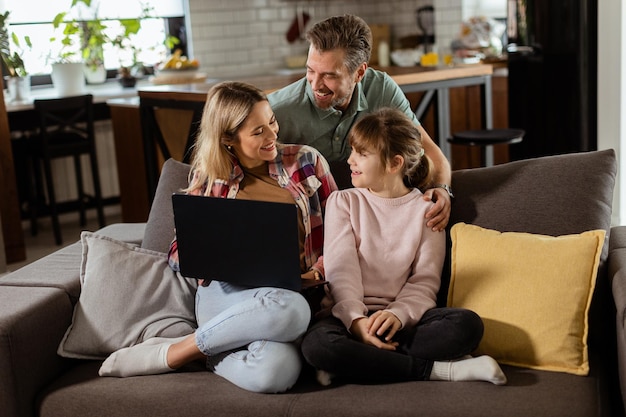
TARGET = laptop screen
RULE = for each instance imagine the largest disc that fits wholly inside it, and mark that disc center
(245, 242)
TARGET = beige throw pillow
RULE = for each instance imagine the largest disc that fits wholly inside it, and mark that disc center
(128, 294)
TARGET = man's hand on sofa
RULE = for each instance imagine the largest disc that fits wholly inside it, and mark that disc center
(439, 215)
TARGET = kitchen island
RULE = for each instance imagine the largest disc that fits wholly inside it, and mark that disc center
(160, 122)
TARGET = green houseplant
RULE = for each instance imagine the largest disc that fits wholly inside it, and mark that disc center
(12, 60)
(18, 81)
(83, 38)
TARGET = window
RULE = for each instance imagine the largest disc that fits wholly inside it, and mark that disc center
(34, 18)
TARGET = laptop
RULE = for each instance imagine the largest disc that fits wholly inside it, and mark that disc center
(244, 242)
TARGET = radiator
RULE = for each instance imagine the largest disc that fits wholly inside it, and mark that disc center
(63, 168)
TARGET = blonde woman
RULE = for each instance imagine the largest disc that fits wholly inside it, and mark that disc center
(244, 334)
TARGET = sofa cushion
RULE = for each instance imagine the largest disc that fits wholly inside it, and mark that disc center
(533, 293)
(160, 226)
(128, 294)
(196, 394)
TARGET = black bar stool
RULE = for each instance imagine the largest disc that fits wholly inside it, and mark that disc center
(486, 139)
(66, 129)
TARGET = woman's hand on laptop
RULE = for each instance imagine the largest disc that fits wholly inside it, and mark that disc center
(311, 274)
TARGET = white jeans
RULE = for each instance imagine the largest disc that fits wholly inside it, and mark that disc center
(248, 333)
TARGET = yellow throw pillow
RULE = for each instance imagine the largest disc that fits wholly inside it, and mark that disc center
(532, 291)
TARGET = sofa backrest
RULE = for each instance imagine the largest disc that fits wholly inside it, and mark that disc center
(554, 195)
(160, 226)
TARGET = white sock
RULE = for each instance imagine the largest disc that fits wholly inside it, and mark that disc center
(482, 368)
(146, 358)
(324, 378)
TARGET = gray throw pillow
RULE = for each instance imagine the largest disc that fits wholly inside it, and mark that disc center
(128, 294)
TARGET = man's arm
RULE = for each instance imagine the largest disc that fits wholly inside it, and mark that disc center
(439, 215)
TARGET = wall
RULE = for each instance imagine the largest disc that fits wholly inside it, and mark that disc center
(244, 37)
(612, 94)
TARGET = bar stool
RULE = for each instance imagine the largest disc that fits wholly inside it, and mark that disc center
(66, 129)
(486, 139)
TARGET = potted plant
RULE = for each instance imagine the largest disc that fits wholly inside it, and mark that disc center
(82, 41)
(18, 81)
(93, 41)
(67, 68)
(90, 34)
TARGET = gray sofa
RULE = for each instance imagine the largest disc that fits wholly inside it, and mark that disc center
(557, 195)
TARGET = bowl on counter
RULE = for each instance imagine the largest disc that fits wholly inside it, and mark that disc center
(178, 76)
(406, 57)
(296, 61)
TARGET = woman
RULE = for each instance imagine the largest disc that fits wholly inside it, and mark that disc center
(244, 334)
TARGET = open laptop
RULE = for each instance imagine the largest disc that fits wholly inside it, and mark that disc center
(244, 242)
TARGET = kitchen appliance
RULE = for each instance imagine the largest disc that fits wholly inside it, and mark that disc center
(426, 23)
(552, 71)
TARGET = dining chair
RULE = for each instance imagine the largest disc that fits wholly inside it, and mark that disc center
(66, 129)
(154, 139)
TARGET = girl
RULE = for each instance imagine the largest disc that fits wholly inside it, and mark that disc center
(244, 334)
(379, 320)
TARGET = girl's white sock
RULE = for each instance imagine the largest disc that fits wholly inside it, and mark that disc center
(481, 368)
(146, 358)
(324, 378)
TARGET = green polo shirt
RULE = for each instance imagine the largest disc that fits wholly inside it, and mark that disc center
(300, 121)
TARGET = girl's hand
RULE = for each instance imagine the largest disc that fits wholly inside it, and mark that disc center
(383, 324)
(360, 330)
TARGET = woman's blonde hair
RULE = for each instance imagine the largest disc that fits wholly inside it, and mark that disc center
(389, 132)
(227, 106)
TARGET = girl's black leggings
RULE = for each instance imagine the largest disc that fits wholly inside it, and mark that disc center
(441, 334)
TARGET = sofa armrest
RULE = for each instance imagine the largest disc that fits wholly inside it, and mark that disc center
(617, 277)
(617, 270)
(33, 321)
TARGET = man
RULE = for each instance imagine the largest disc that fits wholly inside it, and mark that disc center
(338, 89)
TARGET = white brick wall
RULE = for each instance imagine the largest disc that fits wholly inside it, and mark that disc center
(244, 37)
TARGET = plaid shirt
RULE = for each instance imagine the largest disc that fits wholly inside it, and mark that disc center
(302, 171)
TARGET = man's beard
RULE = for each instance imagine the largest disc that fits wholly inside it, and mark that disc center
(335, 103)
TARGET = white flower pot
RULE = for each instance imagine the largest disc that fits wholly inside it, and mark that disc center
(68, 78)
(18, 88)
(95, 74)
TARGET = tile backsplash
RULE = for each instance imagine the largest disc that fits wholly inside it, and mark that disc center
(245, 37)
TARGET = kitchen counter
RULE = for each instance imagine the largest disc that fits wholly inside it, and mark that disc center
(101, 94)
(403, 76)
(127, 114)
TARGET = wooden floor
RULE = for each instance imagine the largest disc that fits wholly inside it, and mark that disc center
(43, 243)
